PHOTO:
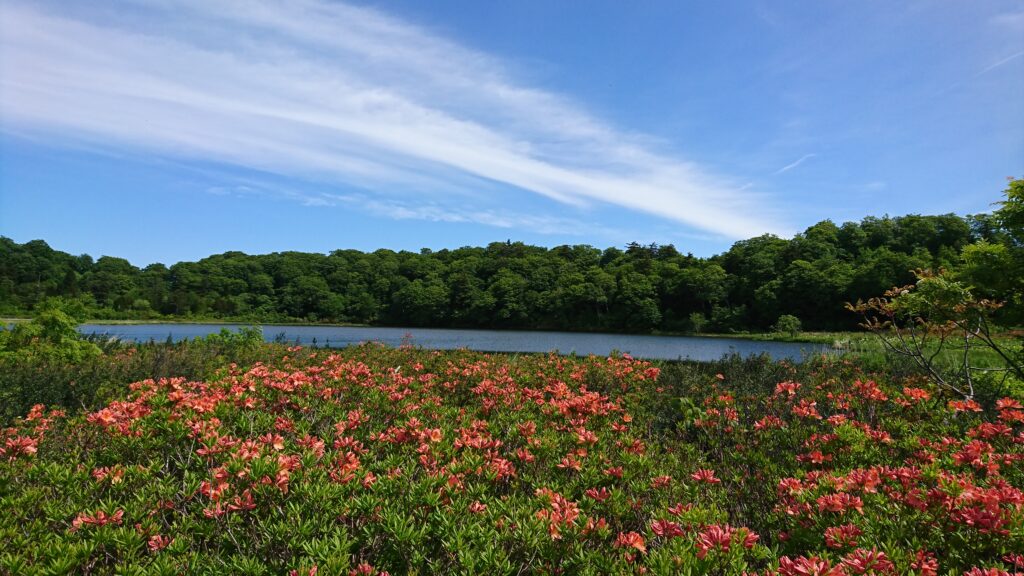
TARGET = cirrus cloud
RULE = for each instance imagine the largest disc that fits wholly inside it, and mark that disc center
(345, 96)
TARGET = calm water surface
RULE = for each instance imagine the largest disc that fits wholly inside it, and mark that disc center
(651, 347)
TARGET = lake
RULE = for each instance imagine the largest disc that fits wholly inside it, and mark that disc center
(640, 346)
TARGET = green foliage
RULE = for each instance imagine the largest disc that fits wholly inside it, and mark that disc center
(513, 285)
(246, 339)
(994, 266)
(934, 318)
(37, 375)
(697, 322)
(787, 324)
(961, 312)
(52, 335)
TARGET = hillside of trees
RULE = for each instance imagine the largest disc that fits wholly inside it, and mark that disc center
(514, 285)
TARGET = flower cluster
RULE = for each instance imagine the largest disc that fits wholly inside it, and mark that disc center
(374, 460)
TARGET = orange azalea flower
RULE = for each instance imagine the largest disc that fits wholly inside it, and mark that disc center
(925, 564)
(812, 566)
(19, 446)
(964, 406)
(916, 395)
(705, 475)
(615, 471)
(678, 509)
(839, 503)
(584, 436)
(593, 526)
(1008, 404)
(862, 561)
(158, 542)
(631, 540)
(788, 388)
(570, 463)
(100, 518)
(666, 528)
(842, 536)
(806, 409)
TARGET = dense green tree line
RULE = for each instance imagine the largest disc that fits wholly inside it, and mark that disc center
(513, 285)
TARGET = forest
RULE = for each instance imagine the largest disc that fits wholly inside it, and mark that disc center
(641, 288)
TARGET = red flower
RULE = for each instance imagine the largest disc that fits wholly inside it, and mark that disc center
(806, 409)
(870, 391)
(666, 528)
(562, 513)
(769, 422)
(1010, 410)
(925, 564)
(1015, 559)
(158, 542)
(814, 457)
(915, 395)
(1008, 404)
(840, 503)
(584, 436)
(242, 502)
(705, 475)
(527, 429)
(964, 406)
(713, 537)
(661, 481)
(842, 536)
(812, 566)
(593, 526)
(570, 463)
(631, 540)
(862, 561)
(525, 455)
(977, 571)
(19, 446)
(100, 518)
(788, 388)
(365, 569)
(678, 509)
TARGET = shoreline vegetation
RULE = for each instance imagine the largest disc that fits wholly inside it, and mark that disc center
(759, 285)
(807, 337)
(863, 345)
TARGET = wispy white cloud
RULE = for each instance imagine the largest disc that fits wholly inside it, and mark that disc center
(792, 165)
(341, 95)
(542, 224)
(1000, 62)
(1012, 20)
(431, 211)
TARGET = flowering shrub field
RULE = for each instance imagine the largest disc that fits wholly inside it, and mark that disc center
(374, 460)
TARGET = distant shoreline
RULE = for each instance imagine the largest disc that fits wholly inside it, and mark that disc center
(801, 337)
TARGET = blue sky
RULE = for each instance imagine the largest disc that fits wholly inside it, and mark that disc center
(167, 130)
